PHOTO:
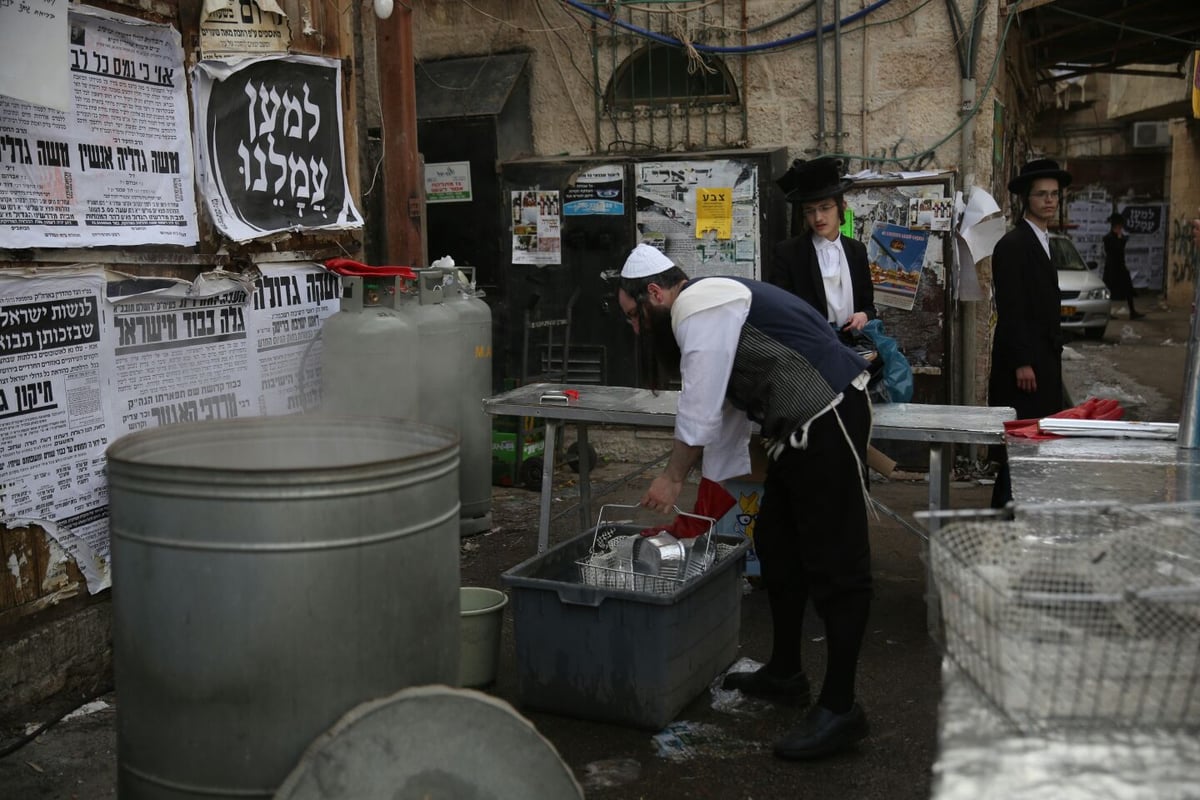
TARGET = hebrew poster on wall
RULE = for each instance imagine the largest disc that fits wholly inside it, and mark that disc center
(53, 425)
(116, 167)
(270, 153)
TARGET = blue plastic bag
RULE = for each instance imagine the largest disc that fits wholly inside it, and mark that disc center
(897, 372)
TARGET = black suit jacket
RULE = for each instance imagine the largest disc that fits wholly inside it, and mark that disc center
(1028, 312)
(795, 267)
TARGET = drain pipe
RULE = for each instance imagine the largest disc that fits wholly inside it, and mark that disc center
(837, 76)
(962, 384)
(820, 54)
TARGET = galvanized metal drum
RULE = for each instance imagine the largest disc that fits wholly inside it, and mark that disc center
(270, 574)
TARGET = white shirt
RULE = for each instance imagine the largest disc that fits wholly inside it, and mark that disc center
(1043, 236)
(707, 319)
(835, 274)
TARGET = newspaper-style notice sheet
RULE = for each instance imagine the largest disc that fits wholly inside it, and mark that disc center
(52, 417)
(116, 168)
(291, 303)
(181, 355)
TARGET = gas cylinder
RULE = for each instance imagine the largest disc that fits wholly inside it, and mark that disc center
(369, 349)
(448, 380)
(475, 384)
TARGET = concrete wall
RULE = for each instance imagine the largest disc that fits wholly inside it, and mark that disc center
(899, 75)
(900, 79)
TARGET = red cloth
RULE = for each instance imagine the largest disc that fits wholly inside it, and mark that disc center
(1092, 408)
(712, 501)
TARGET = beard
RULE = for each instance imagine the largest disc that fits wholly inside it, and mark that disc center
(659, 352)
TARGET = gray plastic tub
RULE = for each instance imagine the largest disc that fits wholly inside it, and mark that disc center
(617, 655)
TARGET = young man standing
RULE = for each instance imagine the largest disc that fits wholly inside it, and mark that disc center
(1027, 343)
(821, 265)
(749, 351)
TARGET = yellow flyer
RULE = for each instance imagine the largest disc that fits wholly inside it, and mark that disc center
(714, 212)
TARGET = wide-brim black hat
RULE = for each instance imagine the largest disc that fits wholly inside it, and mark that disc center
(1039, 168)
(1115, 218)
(813, 180)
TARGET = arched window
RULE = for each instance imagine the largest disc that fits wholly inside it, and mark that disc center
(659, 74)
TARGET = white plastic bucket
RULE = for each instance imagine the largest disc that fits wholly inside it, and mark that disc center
(482, 612)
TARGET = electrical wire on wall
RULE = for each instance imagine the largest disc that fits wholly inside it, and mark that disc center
(966, 51)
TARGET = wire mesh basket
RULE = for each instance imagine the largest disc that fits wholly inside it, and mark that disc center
(618, 556)
(1077, 616)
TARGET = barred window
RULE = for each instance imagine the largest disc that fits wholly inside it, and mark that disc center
(659, 74)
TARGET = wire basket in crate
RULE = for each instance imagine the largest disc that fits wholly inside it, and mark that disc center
(1078, 615)
(618, 558)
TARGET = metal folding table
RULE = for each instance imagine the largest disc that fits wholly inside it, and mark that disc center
(940, 425)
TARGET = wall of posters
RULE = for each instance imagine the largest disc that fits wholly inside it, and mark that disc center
(87, 357)
(116, 168)
(270, 153)
(1145, 226)
(908, 257)
(707, 238)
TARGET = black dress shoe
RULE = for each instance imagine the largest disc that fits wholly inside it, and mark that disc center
(822, 733)
(1136, 315)
(792, 690)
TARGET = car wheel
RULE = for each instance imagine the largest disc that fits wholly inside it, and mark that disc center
(1095, 333)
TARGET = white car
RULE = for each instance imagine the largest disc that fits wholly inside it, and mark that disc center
(1084, 297)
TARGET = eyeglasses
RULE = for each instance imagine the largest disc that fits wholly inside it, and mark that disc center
(824, 208)
(1045, 194)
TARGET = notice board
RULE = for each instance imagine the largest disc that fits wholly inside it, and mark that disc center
(906, 227)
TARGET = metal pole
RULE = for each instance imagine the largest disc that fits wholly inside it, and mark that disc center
(820, 55)
(1189, 415)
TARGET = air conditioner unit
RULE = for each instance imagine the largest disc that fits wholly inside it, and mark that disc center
(1151, 134)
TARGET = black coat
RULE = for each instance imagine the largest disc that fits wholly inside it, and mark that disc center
(1028, 313)
(1116, 274)
(795, 267)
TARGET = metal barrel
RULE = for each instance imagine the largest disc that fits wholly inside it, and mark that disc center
(270, 574)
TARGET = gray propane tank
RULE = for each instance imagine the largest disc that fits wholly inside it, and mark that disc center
(369, 348)
(475, 385)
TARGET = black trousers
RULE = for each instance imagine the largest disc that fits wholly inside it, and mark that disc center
(812, 540)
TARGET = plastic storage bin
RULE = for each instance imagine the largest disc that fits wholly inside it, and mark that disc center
(617, 655)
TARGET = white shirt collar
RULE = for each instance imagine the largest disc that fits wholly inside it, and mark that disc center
(821, 243)
(1043, 235)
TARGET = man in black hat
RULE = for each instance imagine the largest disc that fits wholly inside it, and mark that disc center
(1027, 343)
(822, 266)
(1116, 274)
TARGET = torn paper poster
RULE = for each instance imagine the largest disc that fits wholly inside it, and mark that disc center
(252, 28)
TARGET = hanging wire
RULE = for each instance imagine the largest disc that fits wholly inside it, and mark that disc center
(719, 49)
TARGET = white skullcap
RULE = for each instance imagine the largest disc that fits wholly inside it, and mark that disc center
(644, 261)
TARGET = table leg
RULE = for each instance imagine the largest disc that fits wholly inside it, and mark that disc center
(547, 486)
(941, 454)
(585, 479)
